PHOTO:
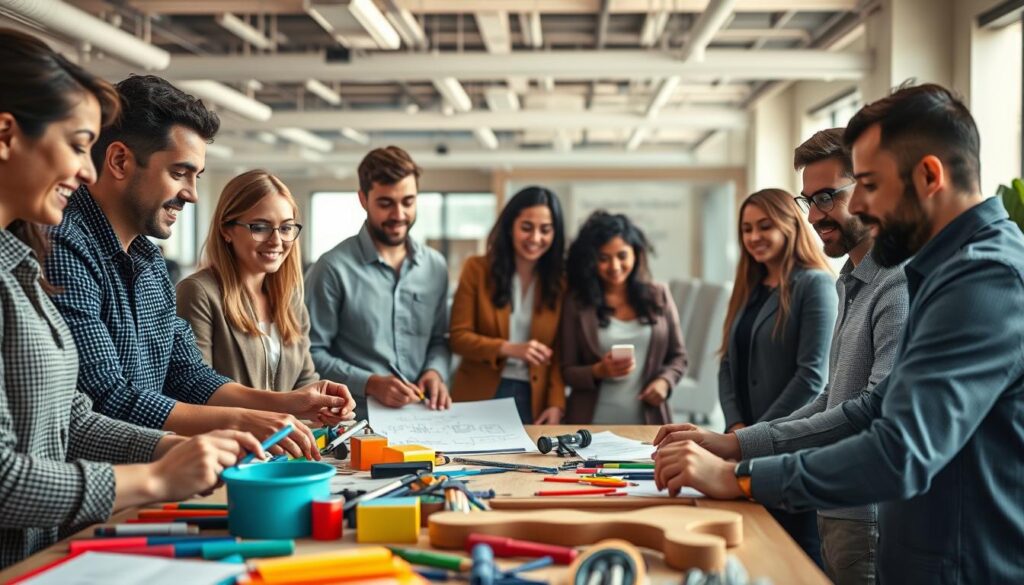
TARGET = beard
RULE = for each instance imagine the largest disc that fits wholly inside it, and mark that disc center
(851, 234)
(146, 216)
(378, 232)
(902, 234)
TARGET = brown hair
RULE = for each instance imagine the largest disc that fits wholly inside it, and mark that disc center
(802, 249)
(38, 87)
(824, 145)
(386, 166)
(240, 195)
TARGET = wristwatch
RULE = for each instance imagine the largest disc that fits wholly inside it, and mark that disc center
(742, 472)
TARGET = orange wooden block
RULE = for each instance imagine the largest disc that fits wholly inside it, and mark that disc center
(404, 453)
(367, 450)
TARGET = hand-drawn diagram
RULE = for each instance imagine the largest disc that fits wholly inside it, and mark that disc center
(487, 426)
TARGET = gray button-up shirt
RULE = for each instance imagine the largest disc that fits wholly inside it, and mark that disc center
(363, 315)
(939, 441)
(873, 305)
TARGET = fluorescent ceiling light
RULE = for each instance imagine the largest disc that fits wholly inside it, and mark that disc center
(548, 83)
(325, 93)
(406, 24)
(310, 155)
(227, 98)
(356, 24)
(495, 31)
(486, 137)
(665, 90)
(637, 137)
(355, 136)
(306, 138)
(454, 93)
(533, 33)
(243, 30)
(219, 150)
(654, 27)
(500, 99)
(266, 137)
(562, 142)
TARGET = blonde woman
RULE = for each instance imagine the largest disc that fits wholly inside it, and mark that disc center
(245, 302)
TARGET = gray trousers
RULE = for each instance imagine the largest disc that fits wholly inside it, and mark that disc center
(848, 550)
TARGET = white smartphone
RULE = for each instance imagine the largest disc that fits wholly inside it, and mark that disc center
(623, 351)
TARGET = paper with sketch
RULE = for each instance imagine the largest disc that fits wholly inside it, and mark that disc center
(607, 445)
(99, 568)
(486, 426)
(646, 489)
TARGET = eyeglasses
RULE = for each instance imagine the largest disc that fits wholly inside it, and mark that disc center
(824, 199)
(261, 232)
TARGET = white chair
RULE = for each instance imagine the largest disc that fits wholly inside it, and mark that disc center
(695, 398)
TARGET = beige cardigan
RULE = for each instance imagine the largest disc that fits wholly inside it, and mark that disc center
(236, 354)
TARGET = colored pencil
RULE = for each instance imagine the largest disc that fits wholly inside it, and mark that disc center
(594, 492)
(270, 442)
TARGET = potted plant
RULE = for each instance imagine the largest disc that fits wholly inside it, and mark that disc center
(1013, 201)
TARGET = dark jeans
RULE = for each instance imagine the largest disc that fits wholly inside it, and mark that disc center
(803, 528)
(848, 548)
(520, 391)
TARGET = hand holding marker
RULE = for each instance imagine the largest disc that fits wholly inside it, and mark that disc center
(269, 442)
(398, 374)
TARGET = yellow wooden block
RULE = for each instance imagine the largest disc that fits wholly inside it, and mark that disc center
(386, 520)
(405, 453)
(367, 450)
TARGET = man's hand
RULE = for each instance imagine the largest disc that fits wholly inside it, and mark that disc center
(724, 445)
(687, 464)
(194, 465)
(326, 401)
(532, 352)
(656, 392)
(433, 388)
(391, 392)
(263, 423)
(551, 415)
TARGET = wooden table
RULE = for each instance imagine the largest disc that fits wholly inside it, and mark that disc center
(767, 551)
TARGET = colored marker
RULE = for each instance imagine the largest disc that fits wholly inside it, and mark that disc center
(248, 549)
(352, 430)
(162, 529)
(596, 492)
(108, 544)
(148, 513)
(433, 559)
(469, 472)
(613, 462)
(511, 547)
(194, 506)
(200, 521)
(625, 465)
(270, 442)
(383, 490)
(179, 550)
(405, 380)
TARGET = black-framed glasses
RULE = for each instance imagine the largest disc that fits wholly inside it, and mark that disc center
(261, 232)
(824, 199)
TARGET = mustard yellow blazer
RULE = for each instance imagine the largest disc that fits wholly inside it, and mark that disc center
(478, 329)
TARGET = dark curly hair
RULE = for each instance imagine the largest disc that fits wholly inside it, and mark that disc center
(502, 257)
(600, 228)
(150, 107)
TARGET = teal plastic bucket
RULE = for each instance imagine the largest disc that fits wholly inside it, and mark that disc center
(274, 500)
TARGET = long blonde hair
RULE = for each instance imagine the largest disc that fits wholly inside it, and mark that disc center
(240, 195)
(800, 250)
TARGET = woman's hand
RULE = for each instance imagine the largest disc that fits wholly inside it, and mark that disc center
(610, 367)
(551, 415)
(532, 352)
(656, 392)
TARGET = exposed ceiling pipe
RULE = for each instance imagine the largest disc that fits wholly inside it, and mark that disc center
(703, 31)
(77, 24)
(227, 98)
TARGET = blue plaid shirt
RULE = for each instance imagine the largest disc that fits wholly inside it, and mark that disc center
(137, 356)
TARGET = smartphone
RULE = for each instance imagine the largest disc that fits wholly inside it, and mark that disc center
(623, 351)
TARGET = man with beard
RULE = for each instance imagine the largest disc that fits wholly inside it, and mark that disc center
(938, 442)
(139, 361)
(378, 300)
(873, 305)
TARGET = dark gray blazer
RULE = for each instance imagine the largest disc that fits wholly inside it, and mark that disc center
(786, 371)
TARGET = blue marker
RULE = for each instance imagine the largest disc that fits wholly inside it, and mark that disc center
(269, 442)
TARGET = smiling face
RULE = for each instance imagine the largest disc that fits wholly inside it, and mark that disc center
(41, 173)
(761, 238)
(884, 199)
(255, 257)
(157, 191)
(615, 262)
(391, 210)
(533, 232)
(840, 231)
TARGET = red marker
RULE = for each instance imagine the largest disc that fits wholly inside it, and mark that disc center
(150, 513)
(510, 547)
(137, 541)
(597, 492)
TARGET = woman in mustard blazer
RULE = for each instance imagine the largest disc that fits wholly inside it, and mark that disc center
(506, 311)
(245, 303)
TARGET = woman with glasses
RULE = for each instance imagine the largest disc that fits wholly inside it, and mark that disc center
(245, 303)
(778, 327)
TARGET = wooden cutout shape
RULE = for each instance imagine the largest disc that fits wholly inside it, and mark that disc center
(688, 537)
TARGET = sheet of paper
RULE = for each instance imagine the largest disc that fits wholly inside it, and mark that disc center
(486, 426)
(98, 568)
(608, 445)
(646, 489)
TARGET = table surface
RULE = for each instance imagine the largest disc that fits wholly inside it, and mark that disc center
(766, 551)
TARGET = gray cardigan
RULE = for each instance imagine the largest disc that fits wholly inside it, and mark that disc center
(786, 371)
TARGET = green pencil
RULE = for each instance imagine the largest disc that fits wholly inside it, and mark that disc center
(433, 559)
(629, 465)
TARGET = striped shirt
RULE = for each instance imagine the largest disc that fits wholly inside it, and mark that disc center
(51, 443)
